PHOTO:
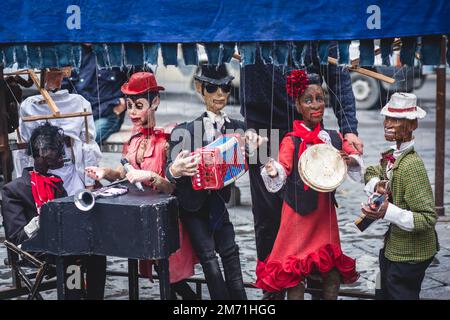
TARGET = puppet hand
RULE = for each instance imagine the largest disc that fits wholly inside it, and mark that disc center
(95, 173)
(354, 141)
(382, 187)
(185, 165)
(345, 157)
(270, 168)
(32, 227)
(140, 176)
(350, 161)
(377, 213)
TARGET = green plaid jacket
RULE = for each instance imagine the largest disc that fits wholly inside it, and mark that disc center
(411, 190)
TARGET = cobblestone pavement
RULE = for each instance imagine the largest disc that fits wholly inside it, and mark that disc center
(362, 246)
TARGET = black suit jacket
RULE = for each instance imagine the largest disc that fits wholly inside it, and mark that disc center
(182, 138)
(18, 206)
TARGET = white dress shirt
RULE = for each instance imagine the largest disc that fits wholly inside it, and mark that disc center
(209, 121)
(404, 219)
(84, 154)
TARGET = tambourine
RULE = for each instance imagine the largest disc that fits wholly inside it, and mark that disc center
(322, 168)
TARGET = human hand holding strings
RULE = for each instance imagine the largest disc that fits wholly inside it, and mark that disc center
(355, 141)
(253, 141)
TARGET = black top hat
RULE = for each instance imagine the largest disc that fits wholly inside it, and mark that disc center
(213, 74)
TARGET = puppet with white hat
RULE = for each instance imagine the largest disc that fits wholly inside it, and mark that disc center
(410, 243)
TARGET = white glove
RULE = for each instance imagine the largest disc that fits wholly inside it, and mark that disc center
(32, 227)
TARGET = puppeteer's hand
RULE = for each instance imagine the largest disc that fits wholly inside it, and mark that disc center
(270, 168)
(95, 173)
(376, 214)
(253, 141)
(185, 165)
(121, 107)
(356, 142)
(140, 176)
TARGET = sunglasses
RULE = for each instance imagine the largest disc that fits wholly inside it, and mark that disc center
(211, 88)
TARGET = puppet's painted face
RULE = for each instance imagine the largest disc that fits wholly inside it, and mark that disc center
(311, 105)
(54, 159)
(49, 159)
(215, 97)
(399, 130)
(141, 112)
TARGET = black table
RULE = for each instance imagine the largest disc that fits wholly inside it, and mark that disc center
(137, 225)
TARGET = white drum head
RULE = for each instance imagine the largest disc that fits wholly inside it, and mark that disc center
(322, 168)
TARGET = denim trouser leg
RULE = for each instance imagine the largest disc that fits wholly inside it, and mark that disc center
(106, 126)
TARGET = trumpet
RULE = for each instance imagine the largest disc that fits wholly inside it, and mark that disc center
(84, 199)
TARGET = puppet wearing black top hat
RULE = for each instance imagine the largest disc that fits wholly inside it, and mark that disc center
(203, 212)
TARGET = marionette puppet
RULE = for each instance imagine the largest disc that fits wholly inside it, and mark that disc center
(307, 244)
(203, 212)
(147, 154)
(23, 198)
(411, 241)
(80, 148)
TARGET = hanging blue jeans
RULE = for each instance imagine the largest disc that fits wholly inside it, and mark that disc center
(107, 125)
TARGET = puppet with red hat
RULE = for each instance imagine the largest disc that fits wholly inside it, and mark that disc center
(146, 152)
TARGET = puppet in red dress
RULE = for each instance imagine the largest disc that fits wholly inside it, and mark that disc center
(308, 242)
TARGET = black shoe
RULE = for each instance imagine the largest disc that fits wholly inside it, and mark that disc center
(183, 289)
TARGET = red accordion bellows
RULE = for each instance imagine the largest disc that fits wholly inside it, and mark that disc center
(222, 162)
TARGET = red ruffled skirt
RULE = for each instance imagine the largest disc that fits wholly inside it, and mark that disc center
(305, 245)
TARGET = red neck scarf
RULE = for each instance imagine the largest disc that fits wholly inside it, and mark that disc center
(388, 157)
(307, 136)
(147, 131)
(43, 188)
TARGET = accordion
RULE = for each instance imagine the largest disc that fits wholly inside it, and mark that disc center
(221, 163)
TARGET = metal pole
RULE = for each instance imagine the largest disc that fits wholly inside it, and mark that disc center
(4, 143)
(440, 132)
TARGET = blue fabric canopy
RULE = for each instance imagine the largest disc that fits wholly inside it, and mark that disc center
(48, 33)
(174, 21)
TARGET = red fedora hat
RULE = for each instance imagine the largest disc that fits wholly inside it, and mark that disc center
(141, 82)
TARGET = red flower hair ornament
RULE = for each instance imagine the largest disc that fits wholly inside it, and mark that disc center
(296, 83)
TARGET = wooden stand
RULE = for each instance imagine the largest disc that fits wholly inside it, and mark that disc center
(56, 114)
(353, 67)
